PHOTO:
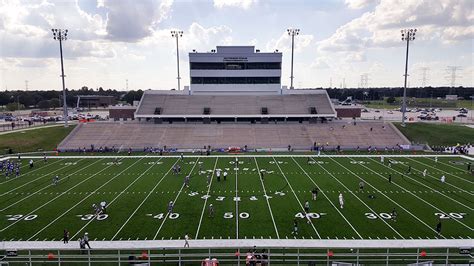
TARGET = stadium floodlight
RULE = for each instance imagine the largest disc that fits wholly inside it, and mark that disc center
(61, 35)
(177, 34)
(292, 32)
(407, 35)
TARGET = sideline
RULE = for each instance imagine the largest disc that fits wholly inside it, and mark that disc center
(240, 243)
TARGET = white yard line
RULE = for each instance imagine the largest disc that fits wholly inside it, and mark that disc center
(205, 201)
(447, 183)
(32, 171)
(51, 200)
(236, 166)
(408, 191)
(48, 174)
(175, 199)
(384, 194)
(268, 202)
(433, 189)
(297, 199)
(144, 200)
(374, 212)
(116, 197)
(332, 204)
(50, 185)
(452, 166)
(440, 170)
(83, 199)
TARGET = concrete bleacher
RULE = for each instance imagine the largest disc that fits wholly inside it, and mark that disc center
(234, 105)
(195, 136)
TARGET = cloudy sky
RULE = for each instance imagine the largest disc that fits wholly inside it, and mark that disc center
(111, 41)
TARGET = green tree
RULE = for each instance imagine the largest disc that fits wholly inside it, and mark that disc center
(55, 103)
(13, 106)
(44, 105)
(390, 100)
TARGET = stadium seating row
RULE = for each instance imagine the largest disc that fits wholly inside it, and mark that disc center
(189, 136)
(182, 105)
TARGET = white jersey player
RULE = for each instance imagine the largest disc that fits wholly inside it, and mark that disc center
(186, 181)
(382, 159)
(341, 200)
(443, 179)
(424, 172)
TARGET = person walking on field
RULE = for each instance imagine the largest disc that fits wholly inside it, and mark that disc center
(314, 193)
(341, 200)
(86, 240)
(186, 240)
(211, 210)
(65, 236)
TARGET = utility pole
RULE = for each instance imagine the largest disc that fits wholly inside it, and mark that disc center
(126, 84)
(407, 35)
(292, 32)
(177, 34)
(61, 35)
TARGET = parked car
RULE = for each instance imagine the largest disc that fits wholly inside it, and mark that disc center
(461, 115)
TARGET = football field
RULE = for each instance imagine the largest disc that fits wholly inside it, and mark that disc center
(261, 197)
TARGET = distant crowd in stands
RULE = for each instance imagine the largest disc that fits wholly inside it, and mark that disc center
(458, 149)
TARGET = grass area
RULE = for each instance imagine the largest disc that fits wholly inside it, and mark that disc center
(422, 103)
(246, 204)
(437, 134)
(32, 140)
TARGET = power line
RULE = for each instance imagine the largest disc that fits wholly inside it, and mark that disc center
(364, 81)
(452, 75)
(424, 76)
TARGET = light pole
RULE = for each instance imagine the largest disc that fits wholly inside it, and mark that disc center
(61, 35)
(407, 35)
(292, 32)
(177, 34)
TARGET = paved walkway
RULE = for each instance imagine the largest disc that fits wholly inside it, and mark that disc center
(242, 243)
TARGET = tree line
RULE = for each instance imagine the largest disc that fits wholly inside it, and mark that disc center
(373, 94)
(53, 99)
(47, 99)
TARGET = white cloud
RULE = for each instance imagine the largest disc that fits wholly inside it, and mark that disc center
(132, 24)
(244, 4)
(283, 43)
(445, 20)
(358, 4)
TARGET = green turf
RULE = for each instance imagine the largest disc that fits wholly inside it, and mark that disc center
(138, 191)
(437, 134)
(32, 140)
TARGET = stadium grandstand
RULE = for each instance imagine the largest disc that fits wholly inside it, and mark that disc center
(251, 115)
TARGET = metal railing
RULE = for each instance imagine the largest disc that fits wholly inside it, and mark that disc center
(291, 256)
